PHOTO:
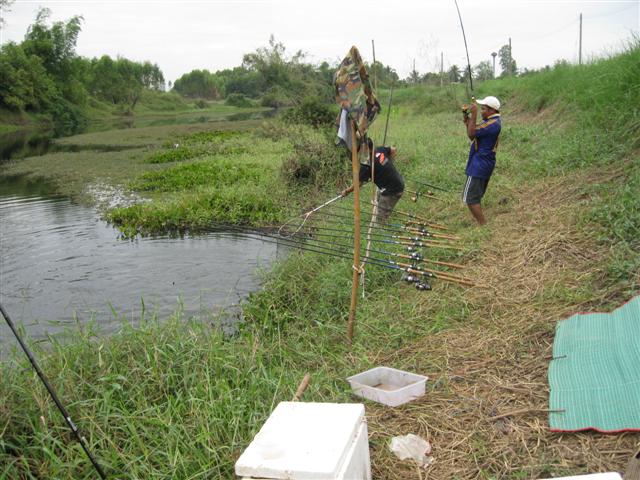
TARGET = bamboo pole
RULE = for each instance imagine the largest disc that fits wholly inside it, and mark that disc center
(355, 170)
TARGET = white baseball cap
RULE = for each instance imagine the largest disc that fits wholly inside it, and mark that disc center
(492, 102)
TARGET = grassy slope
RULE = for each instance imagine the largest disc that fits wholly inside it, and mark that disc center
(178, 401)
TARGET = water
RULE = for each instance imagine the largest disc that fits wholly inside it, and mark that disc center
(61, 265)
(22, 144)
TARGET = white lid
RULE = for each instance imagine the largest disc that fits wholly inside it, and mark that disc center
(302, 441)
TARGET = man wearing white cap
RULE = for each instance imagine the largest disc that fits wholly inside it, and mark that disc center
(482, 154)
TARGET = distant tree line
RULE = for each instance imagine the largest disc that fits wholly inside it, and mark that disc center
(481, 72)
(272, 78)
(43, 73)
(267, 75)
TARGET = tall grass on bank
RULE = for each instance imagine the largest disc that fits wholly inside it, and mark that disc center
(177, 400)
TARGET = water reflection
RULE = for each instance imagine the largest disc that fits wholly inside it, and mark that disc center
(61, 264)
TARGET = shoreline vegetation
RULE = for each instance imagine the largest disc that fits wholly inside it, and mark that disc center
(174, 398)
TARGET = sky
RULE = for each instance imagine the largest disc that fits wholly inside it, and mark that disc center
(215, 34)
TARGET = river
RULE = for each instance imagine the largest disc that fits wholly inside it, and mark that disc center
(61, 266)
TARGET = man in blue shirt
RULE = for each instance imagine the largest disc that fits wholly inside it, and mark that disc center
(482, 154)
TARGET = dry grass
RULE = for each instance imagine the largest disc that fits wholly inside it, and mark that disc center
(486, 411)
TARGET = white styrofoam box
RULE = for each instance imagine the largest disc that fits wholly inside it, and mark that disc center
(593, 476)
(309, 441)
(388, 386)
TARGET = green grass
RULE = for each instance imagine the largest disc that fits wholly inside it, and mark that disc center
(171, 398)
(236, 181)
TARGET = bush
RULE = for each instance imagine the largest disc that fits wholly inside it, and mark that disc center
(315, 162)
(275, 97)
(312, 111)
(68, 118)
(237, 100)
(200, 103)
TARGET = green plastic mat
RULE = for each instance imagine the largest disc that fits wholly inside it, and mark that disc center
(594, 376)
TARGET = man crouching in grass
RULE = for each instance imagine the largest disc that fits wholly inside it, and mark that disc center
(482, 154)
(386, 177)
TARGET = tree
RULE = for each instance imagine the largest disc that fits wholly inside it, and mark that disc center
(507, 62)
(54, 45)
(4, 7)
(270, 63)
(454, 74)
(483, 71)
(199, 84)
(414, 76)
(24, 82)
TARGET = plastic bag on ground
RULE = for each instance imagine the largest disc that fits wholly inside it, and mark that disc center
(414, 447)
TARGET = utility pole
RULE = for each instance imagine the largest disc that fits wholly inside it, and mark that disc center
(510, 57)
(441, 67)
(580, 48)
(375, 68)
(494, 54)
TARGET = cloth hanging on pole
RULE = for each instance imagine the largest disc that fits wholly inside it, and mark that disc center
(354, 93)
(344, 131)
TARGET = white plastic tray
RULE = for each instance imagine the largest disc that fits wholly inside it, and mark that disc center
(388, 386)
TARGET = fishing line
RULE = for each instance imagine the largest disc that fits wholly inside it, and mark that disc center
(466, 49)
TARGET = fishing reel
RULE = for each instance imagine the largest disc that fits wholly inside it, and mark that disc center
(407, 277)
(466, 111)
(416, 256)
(417, 282)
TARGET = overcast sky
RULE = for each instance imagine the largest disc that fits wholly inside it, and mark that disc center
(214, 34)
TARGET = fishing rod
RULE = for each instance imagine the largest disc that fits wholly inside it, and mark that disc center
(415, 256)
(389, 227)
(53, 395)
(408, 268)
(386, 125)
(428, 185)
(422, 232)
(287, 241)
(415, 194)
(312, 211)
(432, 242)
(308, 240)
(378, 224)
(427, 243)
(426, 222)
(466, 49)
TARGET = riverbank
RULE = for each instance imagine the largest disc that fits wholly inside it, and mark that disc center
(176, 399)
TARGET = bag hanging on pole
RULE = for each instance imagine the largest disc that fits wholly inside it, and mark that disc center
(355, 96)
